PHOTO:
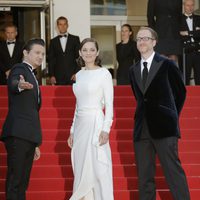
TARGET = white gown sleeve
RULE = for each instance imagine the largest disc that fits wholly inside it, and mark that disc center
(108, 101)
(73, 122)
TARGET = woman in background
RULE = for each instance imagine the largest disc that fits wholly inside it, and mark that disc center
(127, 53)
(89, 134)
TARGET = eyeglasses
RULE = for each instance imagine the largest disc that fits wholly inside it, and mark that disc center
(144, 39)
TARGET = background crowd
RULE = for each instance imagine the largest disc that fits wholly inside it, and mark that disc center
(178, 39)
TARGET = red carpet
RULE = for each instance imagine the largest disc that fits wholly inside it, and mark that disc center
(52, 177)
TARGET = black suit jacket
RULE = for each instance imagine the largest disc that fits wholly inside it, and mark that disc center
(63, 65)
(190, 45)
(23, 114)
(161, 101)
(126, 55)
(7, 62)
(164, 17)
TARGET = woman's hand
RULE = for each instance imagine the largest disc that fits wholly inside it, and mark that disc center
(70, 141)
(103, 138)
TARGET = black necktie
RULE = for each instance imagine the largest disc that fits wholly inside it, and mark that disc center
(144, 74)
(10, 43)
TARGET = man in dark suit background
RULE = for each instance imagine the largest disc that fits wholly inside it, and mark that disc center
(21, 131)
(190, 33)
(164, 17)
(160, 94)
(63, 52)
(10, 52)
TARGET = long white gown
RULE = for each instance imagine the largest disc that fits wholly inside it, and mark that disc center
(91, 163)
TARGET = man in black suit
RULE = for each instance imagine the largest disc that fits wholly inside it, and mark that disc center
(63, 52)
(160, 94)
(10, 52)
(190, 33)
(21, 131)
(164, 17)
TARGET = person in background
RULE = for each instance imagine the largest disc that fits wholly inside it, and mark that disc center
(190, 33)
(10, 52)
(21, 132)
(89, 134)
(165, 17)
(160, 94)
(63, 52)
(127, 53)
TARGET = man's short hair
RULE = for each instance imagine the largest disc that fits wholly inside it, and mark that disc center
(10, 26)
(153, 33)
(29, 44)
(61, 18)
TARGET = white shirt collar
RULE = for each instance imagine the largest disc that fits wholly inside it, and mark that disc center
(31, 67)
(148, 60)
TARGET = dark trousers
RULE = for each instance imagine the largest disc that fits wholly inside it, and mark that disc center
(167, 151)
(192, 60)
(3, 80)
(20, 154)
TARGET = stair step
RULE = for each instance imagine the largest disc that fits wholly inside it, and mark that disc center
(119, 123)
(115, 134)
(121, 183)
(118, 195)
(120, 112)
(117, 158)
(128, 170)
(116, 146)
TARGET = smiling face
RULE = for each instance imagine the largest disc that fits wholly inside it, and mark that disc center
(89, 53)
(145, 42)
(35, 56)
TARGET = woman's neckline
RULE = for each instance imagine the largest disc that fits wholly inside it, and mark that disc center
(97, 68)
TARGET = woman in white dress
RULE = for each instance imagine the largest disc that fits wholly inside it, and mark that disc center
(89, 134)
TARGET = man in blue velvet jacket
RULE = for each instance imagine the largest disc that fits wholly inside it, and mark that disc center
(160, 94)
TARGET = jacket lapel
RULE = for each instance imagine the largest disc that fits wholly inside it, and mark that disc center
(35, 85)
(155, 66)
(67, 47)
(15, 49)
(138, 75)
(6, 49)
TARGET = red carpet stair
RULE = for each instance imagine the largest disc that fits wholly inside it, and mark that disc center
(52, 176)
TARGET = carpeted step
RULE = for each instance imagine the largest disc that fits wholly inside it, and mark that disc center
(52, 175)
(116, 146)
(125, 170)
(126, 101)
(119, 123)
(118, 91)
(118, 195)
(115, 134)
(119, 112)
(124, 158)
(120, 183)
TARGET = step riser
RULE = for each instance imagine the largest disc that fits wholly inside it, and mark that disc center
(125, 158)
(119, 184)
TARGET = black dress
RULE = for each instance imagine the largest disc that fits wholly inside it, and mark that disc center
(164, 16)
(127, 53)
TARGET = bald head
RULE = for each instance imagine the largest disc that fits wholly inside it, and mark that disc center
(188, 6)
